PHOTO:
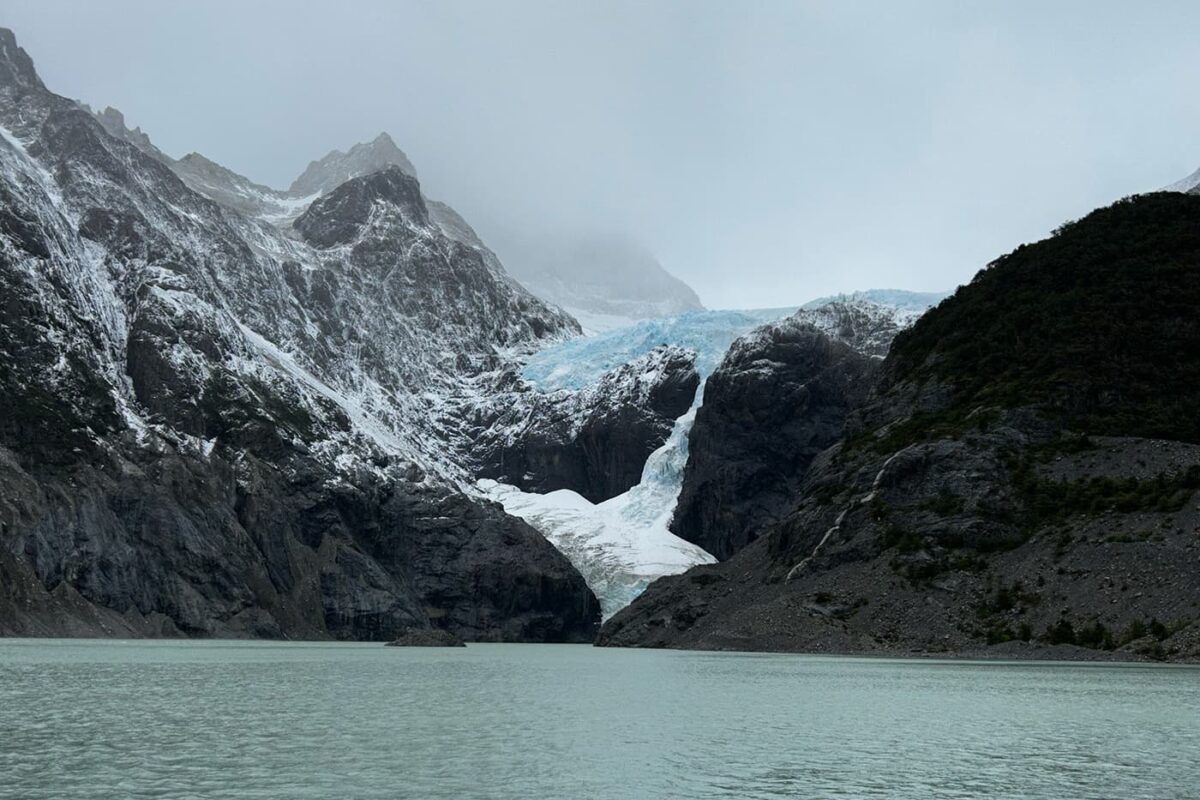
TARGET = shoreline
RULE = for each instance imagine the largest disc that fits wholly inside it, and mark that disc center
(1059, 655)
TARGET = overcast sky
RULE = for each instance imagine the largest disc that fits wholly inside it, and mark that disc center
(766, 152)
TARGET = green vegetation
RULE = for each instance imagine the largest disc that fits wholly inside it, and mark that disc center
(1007, 597)
(944, 505)
(1097, 325)
(922, 572)
(1096, 636)
(826, 494)
(925, 426)
(902, 540)
(1048, 501)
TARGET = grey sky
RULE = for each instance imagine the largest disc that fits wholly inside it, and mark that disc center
(767, 152)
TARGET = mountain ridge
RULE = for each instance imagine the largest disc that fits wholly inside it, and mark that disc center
(241, 432)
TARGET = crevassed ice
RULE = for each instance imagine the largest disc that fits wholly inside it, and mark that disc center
(580, 362)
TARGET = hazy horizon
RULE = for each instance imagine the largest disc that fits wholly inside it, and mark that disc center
(765, 154)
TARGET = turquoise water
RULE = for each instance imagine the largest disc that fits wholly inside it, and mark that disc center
(90, 719)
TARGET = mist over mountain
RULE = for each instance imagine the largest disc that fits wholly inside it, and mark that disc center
(604, 280)
(358, 359)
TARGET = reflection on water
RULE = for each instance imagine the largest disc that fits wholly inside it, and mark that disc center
(258, 720)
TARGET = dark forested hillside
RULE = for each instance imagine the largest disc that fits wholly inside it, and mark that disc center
(1098, 323)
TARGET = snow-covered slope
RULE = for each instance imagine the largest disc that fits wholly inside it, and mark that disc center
(623, 544)
(904, 306)
(1189, 184)
(234, 191)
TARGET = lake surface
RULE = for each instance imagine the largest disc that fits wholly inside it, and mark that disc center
(93, 719)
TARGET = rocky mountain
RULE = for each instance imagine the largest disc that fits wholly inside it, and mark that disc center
(237, 192)
(217, 423)
(903, 305)
(1021, 479)
(606, 282)
(594, 441)
(780, 396)
(621, 543)
(114, 123)
(337, 167)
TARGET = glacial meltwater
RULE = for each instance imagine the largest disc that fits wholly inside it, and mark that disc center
(116, 719)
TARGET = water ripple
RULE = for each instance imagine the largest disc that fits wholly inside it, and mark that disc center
(272, 720)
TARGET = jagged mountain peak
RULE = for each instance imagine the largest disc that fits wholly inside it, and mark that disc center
(16, 67)
(337, 167)
(111, 118)
(113, 122)
(383, 140)
(338, 217)
(194, 163)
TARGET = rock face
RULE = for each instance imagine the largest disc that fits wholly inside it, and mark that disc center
(594, 441)
(779, 398)
(183, 545)
(227, 188)
(1010, 487)
(212, 424)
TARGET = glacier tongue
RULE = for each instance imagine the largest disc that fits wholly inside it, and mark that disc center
(623, 544)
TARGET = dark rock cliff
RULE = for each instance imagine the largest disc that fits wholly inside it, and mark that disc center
(780, 397)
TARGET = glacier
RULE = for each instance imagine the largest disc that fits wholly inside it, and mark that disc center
(623, 544)
(580, 362)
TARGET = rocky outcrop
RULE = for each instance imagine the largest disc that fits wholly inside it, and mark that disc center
(423, 637)
(594, 441)
(114, 123)
(1010, 487)
(779, 398)
(213, 426)
(237, 192)
(184, 543)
